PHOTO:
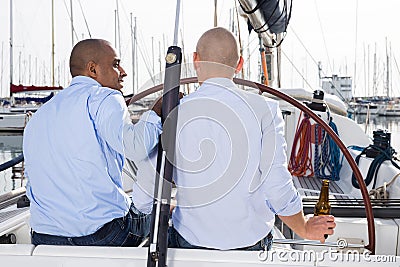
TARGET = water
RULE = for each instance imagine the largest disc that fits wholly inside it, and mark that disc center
(11, 144)
(10, 147)
(391, 124)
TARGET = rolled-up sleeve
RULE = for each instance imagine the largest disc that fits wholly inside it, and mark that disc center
(281, 195)
(135, 141)
(141, 138)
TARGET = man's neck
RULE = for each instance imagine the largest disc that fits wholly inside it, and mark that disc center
(202, 78)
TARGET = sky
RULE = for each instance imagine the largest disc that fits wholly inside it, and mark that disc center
(344, 35)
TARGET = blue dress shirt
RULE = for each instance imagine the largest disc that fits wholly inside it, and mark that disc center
(231, 167)
(74, 148)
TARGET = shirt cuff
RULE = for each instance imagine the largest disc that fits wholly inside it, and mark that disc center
(293, 207)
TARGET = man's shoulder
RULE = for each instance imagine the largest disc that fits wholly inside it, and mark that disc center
(255, 98)
(100, 94)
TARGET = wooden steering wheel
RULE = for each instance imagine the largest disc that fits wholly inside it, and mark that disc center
(263, 88)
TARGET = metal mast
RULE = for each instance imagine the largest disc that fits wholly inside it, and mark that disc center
(11, 45)
(52, 43)
(157, 253)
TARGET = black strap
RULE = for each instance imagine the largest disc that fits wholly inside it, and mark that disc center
(381, 156)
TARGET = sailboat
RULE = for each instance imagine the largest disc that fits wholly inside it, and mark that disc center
(367, 230)
(15, 116)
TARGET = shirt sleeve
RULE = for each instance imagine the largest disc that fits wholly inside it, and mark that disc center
(281, 195)
(109, 121)
(115, 126)
(141, 138)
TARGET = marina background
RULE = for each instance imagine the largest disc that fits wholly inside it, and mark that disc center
(343, 34)
(11, 144)
(346, 36)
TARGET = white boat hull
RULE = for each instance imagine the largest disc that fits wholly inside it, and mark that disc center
(13, 121)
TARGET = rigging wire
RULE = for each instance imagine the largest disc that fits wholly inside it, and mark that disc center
(297, 70)
(239, 34)
(140, 44)
(355, 49)
(69, 16)
(323, 36)
(315, 62)
(84, 18)
(397, 66)
(119, 28)
(125, 47)
(145, 58)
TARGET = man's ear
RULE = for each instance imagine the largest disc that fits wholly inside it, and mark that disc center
(239, 65)
(196, 60)
(91, 69)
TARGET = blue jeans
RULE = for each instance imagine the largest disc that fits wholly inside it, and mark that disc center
(175, 240)
(127, 231)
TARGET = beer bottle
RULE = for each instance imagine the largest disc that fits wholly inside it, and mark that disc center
(323, 207)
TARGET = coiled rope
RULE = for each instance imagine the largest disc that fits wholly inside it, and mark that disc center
(328, 164)
(381, 192)
(383, 155)
(300, 159)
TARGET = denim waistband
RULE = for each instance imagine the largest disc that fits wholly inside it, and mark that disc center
(269, 236)
(102, 231)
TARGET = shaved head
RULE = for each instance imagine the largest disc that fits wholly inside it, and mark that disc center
(218, 45)
(84, 52)
(217, 55)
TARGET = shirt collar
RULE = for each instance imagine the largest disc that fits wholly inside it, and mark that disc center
(84, 79)
(222, 82)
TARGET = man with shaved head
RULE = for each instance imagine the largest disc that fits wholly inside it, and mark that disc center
(231, 169)
(74, 148)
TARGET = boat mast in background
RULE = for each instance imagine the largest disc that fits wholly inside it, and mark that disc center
(387, 70)
(52, 43)
(11, 45)
(355, 52)
(117, 29)
(215, 13)
(1, 66)
(133, 39)
(72, 24)
(375, 87)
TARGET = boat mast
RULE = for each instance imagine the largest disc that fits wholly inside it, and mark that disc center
(52, 43)
(369, 72)
(366, 89)
(387, 70)
(119, 30)
(278, 60)
(11, 45)
(215, 13)
(19, 68)
(355, 51)
(115, 28)
(72, 24)
(133, 39)
(1, 74)
(375, 88)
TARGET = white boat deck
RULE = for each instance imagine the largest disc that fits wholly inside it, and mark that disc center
(311, 186)
(29, 255)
